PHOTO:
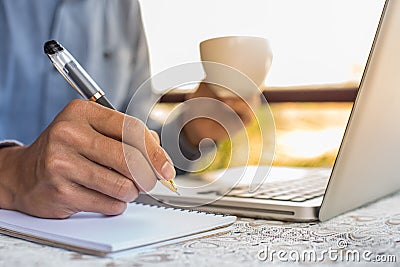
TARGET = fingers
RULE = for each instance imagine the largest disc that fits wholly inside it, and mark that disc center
(70, 163)
(137, 135)
(141, 172)
(124, 128)
(128, 161)
(98, 153)
(133, 132)
(102, 180)
(85, 199)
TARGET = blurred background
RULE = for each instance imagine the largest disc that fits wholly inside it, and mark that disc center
(320, 50)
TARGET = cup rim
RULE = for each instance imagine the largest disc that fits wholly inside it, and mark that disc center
(214, 39)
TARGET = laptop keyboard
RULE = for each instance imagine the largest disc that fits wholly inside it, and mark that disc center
(298, 190)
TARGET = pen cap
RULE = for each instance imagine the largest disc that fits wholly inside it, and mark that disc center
(76, 76)
(52, 47)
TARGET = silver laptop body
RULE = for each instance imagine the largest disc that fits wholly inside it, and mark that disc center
(367, 164)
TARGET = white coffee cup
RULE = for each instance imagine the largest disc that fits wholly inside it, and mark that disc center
(251, 56)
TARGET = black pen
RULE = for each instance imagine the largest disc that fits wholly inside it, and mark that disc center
(76, 76)
(81, 81)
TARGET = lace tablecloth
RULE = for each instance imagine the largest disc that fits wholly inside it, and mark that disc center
(367, 235)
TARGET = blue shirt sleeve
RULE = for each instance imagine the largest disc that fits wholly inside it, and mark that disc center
(106, 37)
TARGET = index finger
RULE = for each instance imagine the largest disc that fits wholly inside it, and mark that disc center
(133, 132)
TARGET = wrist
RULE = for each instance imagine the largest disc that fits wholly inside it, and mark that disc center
(9, 168)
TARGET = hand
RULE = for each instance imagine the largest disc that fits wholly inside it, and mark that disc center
(200, 128)
(80, 164)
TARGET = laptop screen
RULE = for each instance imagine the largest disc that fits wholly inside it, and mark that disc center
(317, 45)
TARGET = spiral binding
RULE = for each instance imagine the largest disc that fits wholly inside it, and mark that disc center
(181, 209)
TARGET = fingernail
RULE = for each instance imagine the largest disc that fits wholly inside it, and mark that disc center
(168, 171)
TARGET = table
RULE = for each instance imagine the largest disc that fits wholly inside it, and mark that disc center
(373, 230)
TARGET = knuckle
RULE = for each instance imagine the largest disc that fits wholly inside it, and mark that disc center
(76, 105)
(121, 158)
(134, 195)
(62, 131)
(123, 189)
(55, 165)
(62, 194)
(157, 154)
(55, 131)
(133, 128)
(131, 195)
(116, 207)
(116, 118)
(97, 142)
(132, 123)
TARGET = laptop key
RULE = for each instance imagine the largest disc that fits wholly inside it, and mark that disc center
(297, 190)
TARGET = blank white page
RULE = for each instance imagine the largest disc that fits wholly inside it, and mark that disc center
(138, 226)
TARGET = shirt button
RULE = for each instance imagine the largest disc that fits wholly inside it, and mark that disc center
(107, 54)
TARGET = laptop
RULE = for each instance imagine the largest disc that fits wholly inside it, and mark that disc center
(366, 166)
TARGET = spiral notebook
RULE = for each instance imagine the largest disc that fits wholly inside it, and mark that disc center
(139, 226)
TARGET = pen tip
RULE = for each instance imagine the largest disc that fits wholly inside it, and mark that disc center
(170, 185)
